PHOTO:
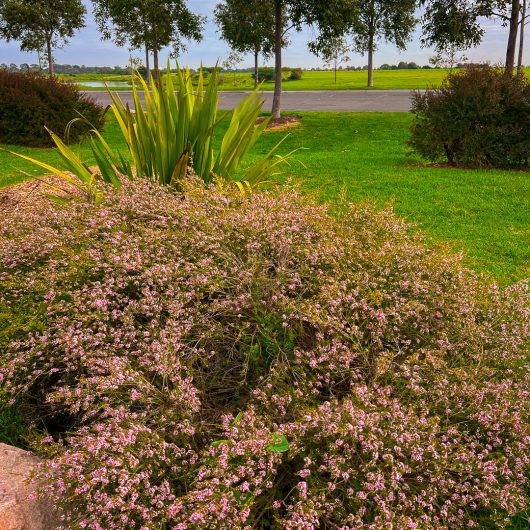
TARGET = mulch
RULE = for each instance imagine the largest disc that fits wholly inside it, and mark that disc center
(32, 192)
(281, 124)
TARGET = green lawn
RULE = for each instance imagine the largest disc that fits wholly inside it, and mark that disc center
(485, 213)
(14, 169)
(312, 80)
(346, 80)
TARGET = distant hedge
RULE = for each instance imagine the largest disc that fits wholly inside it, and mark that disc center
(31, 102)
(266, 73)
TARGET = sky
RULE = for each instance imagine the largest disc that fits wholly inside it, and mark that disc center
(86, 48)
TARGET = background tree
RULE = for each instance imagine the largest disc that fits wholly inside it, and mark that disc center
(511, 15)
(524, 22)
(136, 65)
(248, 27)
(449, 57)
(231, 62)
(41, 58)
(451, 24)
(109, 15)
(457, 22)
(335, 53)
(381, 20)
(41, 24)
(268, 22)
(148, 24)
(327, 20)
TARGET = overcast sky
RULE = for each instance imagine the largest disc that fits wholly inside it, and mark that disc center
(87, 48)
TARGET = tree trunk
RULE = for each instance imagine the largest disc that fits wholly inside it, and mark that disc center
(39, 57)
(256, 68)
(278, 38)
(512, 37)
(335, 71)
(521, 40)
(147, 68)
(371, 60)
(50, 55)
(156, 71)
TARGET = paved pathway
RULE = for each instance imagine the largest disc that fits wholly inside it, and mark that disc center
(329, 100)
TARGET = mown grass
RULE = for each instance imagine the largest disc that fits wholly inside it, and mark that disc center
(483, 213)
(349, 80)
(14, 169)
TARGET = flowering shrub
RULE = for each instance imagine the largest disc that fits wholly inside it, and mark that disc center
(209, 360)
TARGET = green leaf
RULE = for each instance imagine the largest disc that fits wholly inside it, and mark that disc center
(279, 444)
(244, 498)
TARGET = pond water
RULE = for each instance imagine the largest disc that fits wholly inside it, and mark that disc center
(101, 84)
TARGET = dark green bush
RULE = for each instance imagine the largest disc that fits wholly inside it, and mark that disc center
(266, 73)
(31, 102)
(296, 74)
(479, 116)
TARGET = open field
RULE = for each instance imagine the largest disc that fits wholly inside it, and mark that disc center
(485, 213)
(313, 80)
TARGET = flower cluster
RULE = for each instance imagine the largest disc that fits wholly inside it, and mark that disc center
(207, 360)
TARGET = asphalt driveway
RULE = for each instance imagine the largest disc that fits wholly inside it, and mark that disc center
(329, 100)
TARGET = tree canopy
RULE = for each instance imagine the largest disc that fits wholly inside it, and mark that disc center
(41, 24)
(456, 23)
(248, 27)
(325, 18)
(335, 52)
(380, 20)
(148, 24)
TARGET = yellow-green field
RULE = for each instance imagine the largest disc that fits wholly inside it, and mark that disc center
(311, 80)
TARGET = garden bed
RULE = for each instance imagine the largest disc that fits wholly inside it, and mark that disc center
(190, 357)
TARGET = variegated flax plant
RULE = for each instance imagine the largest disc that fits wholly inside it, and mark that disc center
(172, 133)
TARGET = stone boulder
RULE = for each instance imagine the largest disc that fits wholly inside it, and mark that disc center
(18, 509)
